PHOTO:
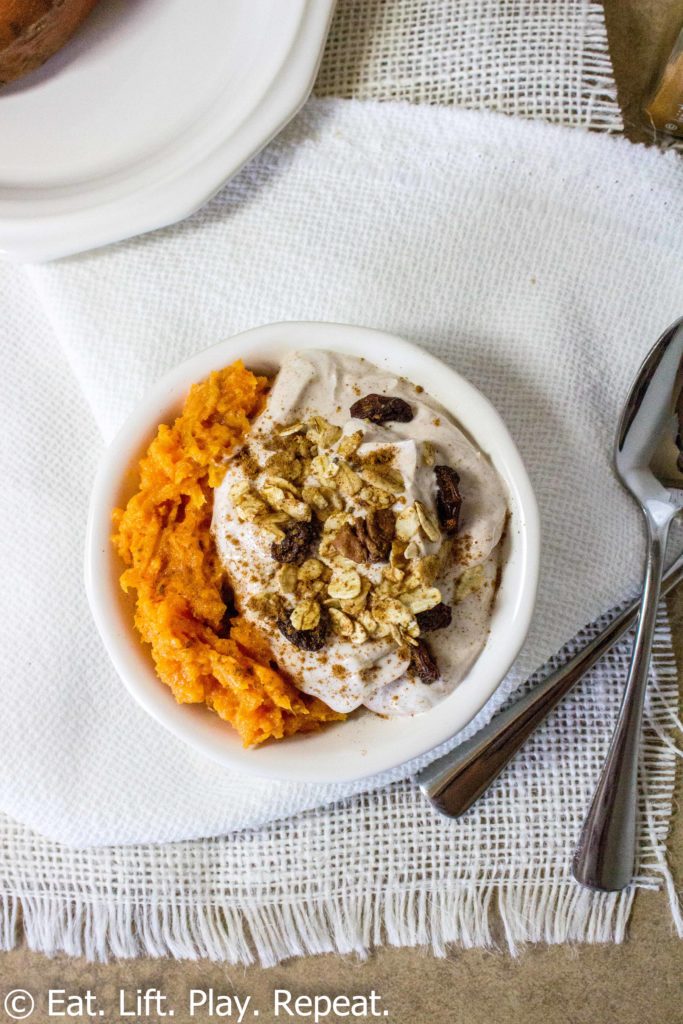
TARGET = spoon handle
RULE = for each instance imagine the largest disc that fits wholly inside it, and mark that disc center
(605, 854)
(456, 781)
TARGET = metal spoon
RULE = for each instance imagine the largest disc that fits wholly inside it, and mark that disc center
(649, 461)
(458, 779)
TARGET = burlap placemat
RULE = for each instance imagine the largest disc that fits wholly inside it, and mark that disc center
(543, 59)
(308, 885)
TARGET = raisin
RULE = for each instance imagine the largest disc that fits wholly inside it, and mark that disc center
(377, 533)
(297, 543)
(305, 639)
(424, 663)
(349, 544)
(448, 498)
(437, 617)
(382, 409)
(367, 540)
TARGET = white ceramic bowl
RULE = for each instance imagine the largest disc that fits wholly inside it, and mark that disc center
(364, 745)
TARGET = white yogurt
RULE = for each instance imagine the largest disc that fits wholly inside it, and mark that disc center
(346, 676)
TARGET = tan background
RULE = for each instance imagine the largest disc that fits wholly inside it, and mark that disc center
(638, 983)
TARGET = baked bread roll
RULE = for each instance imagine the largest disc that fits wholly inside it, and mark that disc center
(32, 30)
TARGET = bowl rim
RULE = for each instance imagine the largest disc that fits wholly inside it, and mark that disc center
(256, 347)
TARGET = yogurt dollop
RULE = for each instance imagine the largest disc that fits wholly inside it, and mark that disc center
(320, 387)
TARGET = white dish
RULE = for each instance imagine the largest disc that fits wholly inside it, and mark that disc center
(364, 745)
(145, 113)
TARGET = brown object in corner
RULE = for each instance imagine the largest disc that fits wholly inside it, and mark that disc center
(32, 30)
(665, 107)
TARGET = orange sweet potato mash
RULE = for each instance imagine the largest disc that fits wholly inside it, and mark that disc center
(164, 538)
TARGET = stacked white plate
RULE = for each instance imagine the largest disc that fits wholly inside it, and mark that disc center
(145, 113)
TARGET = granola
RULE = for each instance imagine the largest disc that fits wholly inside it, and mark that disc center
(345, 521)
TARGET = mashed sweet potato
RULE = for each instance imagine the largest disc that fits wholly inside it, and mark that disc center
(182, 600)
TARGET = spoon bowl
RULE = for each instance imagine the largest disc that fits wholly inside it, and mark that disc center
(649, 447)
(649, 462)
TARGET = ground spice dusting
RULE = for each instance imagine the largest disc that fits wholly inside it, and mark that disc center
(164, 538)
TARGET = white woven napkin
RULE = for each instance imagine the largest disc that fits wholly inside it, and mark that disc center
(540, 262)
(376, 868)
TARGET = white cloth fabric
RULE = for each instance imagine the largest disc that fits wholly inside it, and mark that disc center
(379, 867)
(542, 263)
(543, 59)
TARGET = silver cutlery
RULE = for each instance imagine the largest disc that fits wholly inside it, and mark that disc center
(649, 462)
(649, 459)
(455, 781)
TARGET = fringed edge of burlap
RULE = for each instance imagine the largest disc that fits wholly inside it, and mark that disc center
(600, 107)
(527, 906)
